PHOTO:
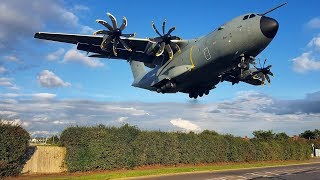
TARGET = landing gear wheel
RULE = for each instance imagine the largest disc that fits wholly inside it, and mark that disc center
(206, 92)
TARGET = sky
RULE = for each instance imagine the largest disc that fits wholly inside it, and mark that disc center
(48, 86)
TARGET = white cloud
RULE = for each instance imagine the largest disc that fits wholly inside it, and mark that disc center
(41, 133)
(55, 55)
(314, 23)
(8, 114)
(128, 110)
(79, 7)
(314, 43)
(122, 119)
(87, 30)
(48, 79)
(7, 82)
(43, 96)
(246, 112)
(20, 19)
(3, 70)
(185, 124)
(12, 58)
(306, 62)
(76, 56)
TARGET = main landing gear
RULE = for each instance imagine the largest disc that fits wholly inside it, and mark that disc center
(167, 87)
(199, 93)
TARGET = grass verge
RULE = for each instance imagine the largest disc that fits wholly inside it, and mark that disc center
(157, 171)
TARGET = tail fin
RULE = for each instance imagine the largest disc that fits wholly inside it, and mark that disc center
(137, 69)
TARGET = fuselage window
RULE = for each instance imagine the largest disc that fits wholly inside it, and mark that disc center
(252, 15)
(245, 17)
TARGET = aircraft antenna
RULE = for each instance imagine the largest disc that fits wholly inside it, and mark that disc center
(273, 9)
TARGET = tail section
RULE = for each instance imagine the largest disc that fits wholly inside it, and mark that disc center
(137, 69)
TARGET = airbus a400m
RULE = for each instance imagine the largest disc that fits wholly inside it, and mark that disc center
(189, 66)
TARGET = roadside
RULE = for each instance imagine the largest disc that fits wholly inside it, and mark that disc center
(155, 171)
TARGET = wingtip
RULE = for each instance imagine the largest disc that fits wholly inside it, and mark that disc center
(36, 35)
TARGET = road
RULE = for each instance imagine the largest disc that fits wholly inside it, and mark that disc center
(293, 172)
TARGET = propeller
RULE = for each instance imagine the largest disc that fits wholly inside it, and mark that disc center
(113, 34)
(165, 41)
(263, 72)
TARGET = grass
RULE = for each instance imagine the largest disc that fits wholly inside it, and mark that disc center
(159, 171)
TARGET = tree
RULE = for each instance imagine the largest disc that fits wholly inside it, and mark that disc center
(309, 134)
(263, 135)
(282, 136)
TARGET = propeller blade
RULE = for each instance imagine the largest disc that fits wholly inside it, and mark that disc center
(157, 39)
(164, 26)
(169, 50)
(268, 67)
(268, 79)
(270, 73)
(105, 24)
(150, 47)
(260, 63)
(125, 45)
(175, 38)
(124, 23)
(114, 47)
(264, 63)
(155, 29)
(177, 47)
(129, 35)
(161, 49)
(105, 42)
(113, 20)
(101, 32)
(97, 56)
(172, 29)
(263, 78)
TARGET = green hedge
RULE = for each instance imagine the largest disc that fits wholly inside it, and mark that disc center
(13, 145)
(105, 148)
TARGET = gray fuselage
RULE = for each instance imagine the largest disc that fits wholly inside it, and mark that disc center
(201, 61)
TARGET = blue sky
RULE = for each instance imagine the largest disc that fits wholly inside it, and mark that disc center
(47, 86)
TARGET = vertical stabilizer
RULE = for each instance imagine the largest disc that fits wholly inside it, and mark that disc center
(137, 69)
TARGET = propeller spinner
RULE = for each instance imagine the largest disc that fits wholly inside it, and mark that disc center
(165, 41)
(113, 34)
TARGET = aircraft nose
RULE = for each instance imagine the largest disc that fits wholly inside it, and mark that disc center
(269, 26)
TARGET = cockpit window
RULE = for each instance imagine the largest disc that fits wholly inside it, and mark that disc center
(245, 17)
(252, 15)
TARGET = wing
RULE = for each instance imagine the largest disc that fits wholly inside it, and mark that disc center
(92, 44)
(69, 38)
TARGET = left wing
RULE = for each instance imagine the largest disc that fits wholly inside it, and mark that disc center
(92, 44)
(69, 38)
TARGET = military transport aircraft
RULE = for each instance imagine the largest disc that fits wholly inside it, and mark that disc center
(189, 66)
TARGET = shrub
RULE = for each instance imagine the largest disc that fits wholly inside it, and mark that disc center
(105, 148)
(13, 145)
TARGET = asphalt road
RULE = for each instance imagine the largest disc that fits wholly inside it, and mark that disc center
(293, 172)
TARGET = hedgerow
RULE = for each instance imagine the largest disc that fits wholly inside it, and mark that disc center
(13, 145)
(105, 148)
